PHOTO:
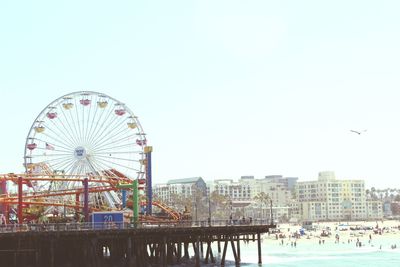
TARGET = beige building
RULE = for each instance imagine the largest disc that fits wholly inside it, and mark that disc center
(374, 209)
(332, 199)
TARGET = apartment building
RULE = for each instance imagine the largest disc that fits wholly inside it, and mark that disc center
(331, 199)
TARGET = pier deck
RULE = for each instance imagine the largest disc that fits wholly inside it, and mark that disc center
(151, 245)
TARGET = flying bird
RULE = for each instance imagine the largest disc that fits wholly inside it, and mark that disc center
(358, 132)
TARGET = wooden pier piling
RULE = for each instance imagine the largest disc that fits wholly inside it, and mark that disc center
(140, 246)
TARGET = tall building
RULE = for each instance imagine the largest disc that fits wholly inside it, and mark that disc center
(288, 182)
(332, 199)
(235, 191)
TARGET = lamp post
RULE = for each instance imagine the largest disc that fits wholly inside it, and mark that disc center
(230, 216)
(195, 206)
(209, 210)
(272, 215)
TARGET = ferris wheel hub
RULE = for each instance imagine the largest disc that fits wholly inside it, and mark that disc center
(80, 153)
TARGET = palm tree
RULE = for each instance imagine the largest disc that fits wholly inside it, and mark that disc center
(220, 206)
(373, 193)
(262, 198)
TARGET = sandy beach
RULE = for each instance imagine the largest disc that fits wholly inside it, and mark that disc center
(361, 233)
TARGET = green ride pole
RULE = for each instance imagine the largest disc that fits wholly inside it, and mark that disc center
(135, 199)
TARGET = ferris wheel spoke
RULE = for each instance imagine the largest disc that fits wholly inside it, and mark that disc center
(101, 168)
(71, 169)
(87, 170)
(115, 158)
(56, 139)
(84, 170)
(119, 152)
(73, 128)
(107, 136)
(78, 121)
(105, 130)
(66, 155)
(48, 160)
(99, 118)
(96, 167)
(84, 125)
(64, 130)
(105, 169)
(59, 160)
(90, 124)
(91, 117)
(58, 129)
(85, 119)
(116, 138)
(114, 147)
(68, 129)
(55, 144)
(56, 158)
(78, 170)
(62, 165)
(112, 143)
(117, 164)
(54, 135)
(113, 124)
(100, 128)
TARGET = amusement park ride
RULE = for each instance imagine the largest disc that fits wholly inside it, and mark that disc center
(85, 152)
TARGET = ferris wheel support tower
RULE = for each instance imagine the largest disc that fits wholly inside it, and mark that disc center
(149, 190)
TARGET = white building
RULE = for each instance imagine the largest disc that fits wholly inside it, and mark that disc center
(185, 188)
(332, 199)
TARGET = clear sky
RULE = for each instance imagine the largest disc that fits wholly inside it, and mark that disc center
(222, 88)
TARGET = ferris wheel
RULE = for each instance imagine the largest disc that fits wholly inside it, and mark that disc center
(85, 134)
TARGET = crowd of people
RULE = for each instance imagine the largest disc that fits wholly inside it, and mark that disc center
(361, 234)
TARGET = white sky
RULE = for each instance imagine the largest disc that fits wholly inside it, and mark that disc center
(222, 88)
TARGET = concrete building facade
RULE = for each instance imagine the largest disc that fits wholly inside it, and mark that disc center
(332, 199)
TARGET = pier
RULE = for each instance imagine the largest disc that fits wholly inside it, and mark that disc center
(88, 245)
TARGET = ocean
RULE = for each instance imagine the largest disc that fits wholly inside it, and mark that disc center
(309, 253)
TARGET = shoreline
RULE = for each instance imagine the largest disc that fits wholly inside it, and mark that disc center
(363, 233)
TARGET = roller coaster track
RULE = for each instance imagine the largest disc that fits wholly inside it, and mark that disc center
(38, 198)
(173, 213)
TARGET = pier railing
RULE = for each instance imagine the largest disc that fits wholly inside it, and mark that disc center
(89, 226)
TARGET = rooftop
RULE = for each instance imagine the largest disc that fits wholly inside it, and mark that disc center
(185, 180)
